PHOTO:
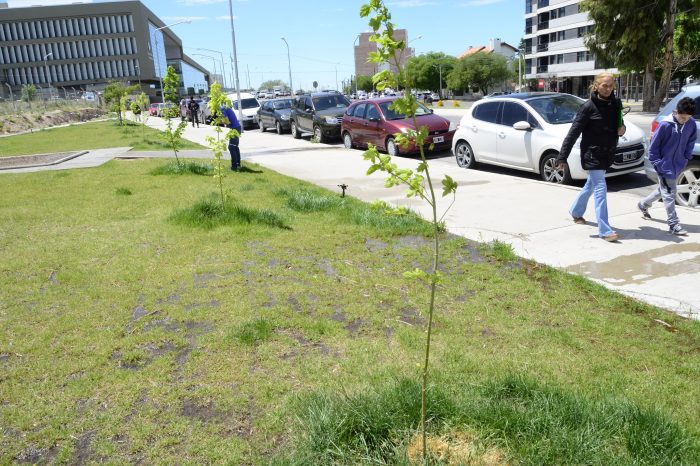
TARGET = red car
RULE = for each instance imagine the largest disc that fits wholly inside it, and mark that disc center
(153, 110)
(372, 121)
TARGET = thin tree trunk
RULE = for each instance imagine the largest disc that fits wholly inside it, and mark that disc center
(648, 86)
(667, 63)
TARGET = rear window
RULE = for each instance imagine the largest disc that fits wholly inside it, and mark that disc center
(282, 104)
(390, 114)
(487, 112)
(330, 101)
(247, 103)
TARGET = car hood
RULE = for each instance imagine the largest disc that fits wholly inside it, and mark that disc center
(283, 111)
(332, 112)
(432, 121)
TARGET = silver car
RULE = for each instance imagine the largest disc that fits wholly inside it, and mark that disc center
(688, 181)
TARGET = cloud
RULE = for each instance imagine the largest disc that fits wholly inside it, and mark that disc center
(481, 2)
(226, 17)
(175, 19)
(26, 3)
(411, 3)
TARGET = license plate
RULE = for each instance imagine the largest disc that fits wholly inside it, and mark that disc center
(629, 156)
(438, 139)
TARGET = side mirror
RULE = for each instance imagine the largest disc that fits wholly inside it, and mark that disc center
(522, 126)
(626, 110)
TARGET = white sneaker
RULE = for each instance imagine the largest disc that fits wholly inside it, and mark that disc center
(677, 230)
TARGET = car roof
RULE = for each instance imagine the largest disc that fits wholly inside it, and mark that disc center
(523, 95)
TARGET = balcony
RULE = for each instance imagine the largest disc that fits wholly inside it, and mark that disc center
(567, 20)
(542, 47)
(542, 68)
(567, 45)
(543, 25)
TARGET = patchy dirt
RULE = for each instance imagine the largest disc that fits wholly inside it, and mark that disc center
(38, 119)
(23, 161)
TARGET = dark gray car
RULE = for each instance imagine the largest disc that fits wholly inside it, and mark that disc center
(320, 113)
(275, 114)
(688, 181)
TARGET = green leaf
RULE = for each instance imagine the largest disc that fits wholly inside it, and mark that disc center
(448, 186)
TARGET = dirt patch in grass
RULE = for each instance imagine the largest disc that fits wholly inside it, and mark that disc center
(455, 449)
(35, 160)
(12, 124)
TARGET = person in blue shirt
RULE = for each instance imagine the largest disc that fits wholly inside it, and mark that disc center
(670, 149)
(233, 148)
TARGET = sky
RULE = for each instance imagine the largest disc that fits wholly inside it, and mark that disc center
(321, 33)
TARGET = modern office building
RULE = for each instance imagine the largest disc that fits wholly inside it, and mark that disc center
(555, 54)
(364, 47)
(84, 46)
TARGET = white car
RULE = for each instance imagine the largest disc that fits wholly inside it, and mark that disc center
(525, 132)
(249, 106)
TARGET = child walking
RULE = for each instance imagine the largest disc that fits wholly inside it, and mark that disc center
(671, 148)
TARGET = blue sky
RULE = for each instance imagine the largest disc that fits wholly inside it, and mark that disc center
(321, 33)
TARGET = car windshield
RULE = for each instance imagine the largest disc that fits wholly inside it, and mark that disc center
(247, 103)
(557, 109)
(282, 104)
(330, 101)
(390, 114)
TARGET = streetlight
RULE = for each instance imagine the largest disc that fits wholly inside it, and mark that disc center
(48, 75)
(235, 63)
(160, 72)
(223, 70)
(289, 62)
(213, 60)
(138, 74)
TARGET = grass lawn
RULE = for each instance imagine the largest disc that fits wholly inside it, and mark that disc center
(98, 135)
(127, 336)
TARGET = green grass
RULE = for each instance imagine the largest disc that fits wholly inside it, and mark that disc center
(97, 135)
(127, 337)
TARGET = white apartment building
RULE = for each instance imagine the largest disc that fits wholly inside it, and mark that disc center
(555, 55)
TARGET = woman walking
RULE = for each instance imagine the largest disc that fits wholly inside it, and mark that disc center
(599, 123)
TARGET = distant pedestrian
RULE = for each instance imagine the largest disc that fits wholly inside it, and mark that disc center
(233, 148)
(599, 122)
(193, 108)
(670, 149)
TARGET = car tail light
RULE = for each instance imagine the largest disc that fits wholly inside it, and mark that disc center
(654, 125)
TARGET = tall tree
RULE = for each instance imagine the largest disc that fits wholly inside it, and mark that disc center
(273, 83)
(635, 35)
(423, 72)
(480, 70)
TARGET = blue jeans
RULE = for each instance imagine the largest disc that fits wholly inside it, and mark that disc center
(235, 153)
(595, 184)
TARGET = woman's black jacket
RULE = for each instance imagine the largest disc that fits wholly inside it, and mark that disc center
(597, 120)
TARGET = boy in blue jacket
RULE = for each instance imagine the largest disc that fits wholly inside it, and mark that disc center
(671, 148)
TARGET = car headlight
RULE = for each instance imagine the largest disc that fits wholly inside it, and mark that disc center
(331, 120)
(285, 117)
(453, 126)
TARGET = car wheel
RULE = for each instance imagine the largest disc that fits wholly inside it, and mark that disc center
(391, 147)
(549, 171)
(464, 155)
(295, 131)
(261, 125)
(347, 141)
(318, 134)
(688, 185)
(278, 126)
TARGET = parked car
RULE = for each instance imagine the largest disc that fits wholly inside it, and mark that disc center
(204, 113)
(688, 182)
(160, 111)
(525, 131)
(275, 114)
(320, 113)
(249, 106)
(373, 122)
(153, 110)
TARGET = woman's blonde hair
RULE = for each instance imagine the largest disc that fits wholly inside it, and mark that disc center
(599, 78)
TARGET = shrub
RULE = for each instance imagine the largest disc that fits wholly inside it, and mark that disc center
(209, 213)
(188, 167)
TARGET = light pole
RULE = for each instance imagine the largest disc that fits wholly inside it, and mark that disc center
(48, 75)
(357, 39)
(160, 73)
(223, 71)
(439, 66)
(235, 63)
(138, 74)
(289, 62)
(213, 60)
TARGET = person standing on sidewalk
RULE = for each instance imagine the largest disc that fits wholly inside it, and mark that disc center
(670, 149)
(233, 148)
(193, 108)
(599, 123)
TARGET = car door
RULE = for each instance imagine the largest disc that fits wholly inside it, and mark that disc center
(373, 129)
(483, 130)
(359, 123)
(306, 114)
(269, 114)
(515, 146)
(350, 123)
